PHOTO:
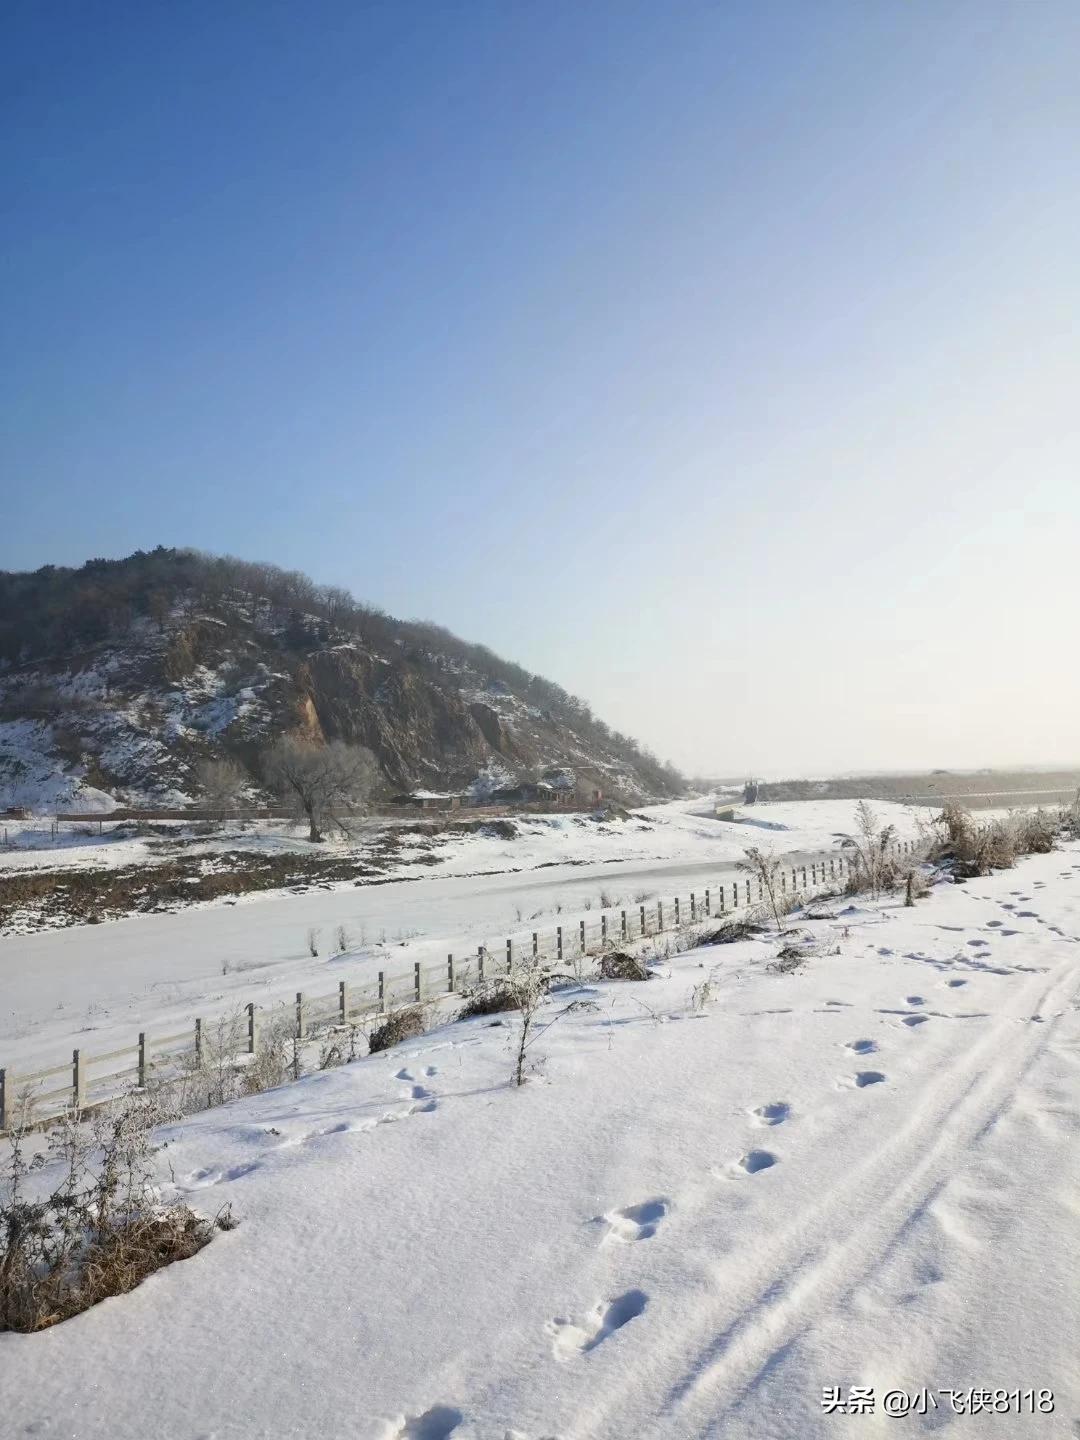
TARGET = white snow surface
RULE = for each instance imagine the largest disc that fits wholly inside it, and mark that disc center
(97, 986)
(686, 1225)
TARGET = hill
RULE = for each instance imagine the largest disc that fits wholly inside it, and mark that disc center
(118, 677)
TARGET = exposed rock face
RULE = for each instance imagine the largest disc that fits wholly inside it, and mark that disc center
(416, 731)
(128, 720)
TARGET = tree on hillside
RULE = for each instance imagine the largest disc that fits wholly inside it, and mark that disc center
(221, 783)
(326, 784)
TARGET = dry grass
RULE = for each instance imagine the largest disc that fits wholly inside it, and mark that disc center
(619, 965)
(101, 1230)
(403, 1024)
(974, 849)
(492, 997)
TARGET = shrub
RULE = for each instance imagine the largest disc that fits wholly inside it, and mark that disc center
(873, 865)
(403, 1024)
(101, 1230)
(765, 868)
(1036, 832)
(492, 997)
(977, 849)
(269, 1066)
(619, 965)
(744, 928)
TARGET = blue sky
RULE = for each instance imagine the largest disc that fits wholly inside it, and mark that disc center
(718, 360)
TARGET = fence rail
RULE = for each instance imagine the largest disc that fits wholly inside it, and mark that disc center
(234, 1035)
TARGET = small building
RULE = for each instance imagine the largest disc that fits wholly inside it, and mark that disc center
(430, 799)
(529, 792)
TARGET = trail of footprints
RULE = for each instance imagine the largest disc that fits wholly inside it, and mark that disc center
(419, 1100)
(573, 1336)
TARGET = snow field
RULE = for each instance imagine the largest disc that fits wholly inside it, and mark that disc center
(686, 1224)
(98, 986)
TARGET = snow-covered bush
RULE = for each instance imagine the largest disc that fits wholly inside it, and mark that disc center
(100, 1230)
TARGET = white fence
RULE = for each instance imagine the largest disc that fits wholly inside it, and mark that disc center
(165, 1056)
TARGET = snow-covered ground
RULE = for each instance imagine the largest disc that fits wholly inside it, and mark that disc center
(97, 986)
(865, 1173)
(681, 830)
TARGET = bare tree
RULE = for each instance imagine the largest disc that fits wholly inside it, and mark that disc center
(221, 783)
(327, 784)
(766, 870)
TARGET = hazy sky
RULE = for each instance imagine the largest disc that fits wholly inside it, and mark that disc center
(719, 360)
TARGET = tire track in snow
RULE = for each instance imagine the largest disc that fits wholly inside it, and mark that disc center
(805, 1271)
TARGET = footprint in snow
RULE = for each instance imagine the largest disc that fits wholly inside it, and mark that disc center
(774, 1113)
(577, 1337)
(911, 1021)
(862, 1047)
(868, 1077)
(955, 984)
(635, 1222)
(754, 1161)
(914, 1000)
(200, 1179)
(434, 1424)
(203, 1179)
(237, 1172)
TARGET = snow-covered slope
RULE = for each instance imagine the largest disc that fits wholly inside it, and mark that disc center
(686, 1224)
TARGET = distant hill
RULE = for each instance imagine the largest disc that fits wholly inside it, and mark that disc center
(116, 678)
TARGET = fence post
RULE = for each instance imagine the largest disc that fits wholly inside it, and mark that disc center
(142, 1065)
(660, 915)
(509, 957)
(603, 930)
(536, 944)
(480, 962)
(251, 1027)
(643, 919)
(583, 937)
(624, 931)
(3, 1099)
(198, 1044)
(804, 877)
(708, 903)
(693, 907)
(558, 942)
(76, 1081)
(676, 912)
(417, 981)
(301, 1029)
(382, 992)
(449, 974)
(722, 905)
(343, 1001)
